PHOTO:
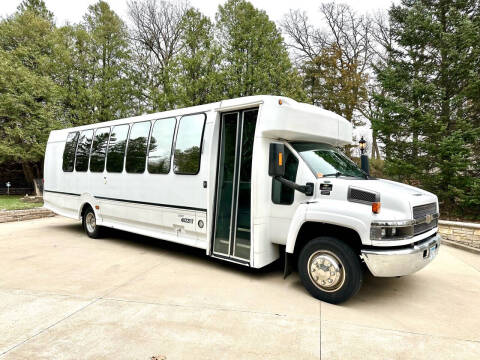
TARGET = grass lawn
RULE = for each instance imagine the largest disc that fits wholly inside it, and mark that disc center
(13, 202)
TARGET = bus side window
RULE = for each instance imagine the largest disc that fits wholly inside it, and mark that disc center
(160, 149)
(282, 194)
(116, 148)
(69, 152)
(83, 150)
(99, 150)
(137, 147)
(188, 144)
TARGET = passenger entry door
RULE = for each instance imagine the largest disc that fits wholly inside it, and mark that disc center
(232, 227)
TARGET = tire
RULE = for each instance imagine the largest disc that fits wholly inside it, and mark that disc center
(89, 223)
(330, 270)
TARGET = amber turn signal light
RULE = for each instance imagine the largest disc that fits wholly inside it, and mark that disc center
(376, 207)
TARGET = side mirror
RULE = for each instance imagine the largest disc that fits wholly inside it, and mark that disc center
(276, 165)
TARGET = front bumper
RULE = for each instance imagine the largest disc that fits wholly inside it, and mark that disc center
(404, 261)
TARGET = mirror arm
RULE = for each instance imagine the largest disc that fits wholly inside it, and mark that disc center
(307, 189)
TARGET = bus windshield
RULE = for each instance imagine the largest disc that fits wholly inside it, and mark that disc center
(326, 160)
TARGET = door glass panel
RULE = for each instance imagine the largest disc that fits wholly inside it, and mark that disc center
(243, 226)
(226, 174)
(282, 194)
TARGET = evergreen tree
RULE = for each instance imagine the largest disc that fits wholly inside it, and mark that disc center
(37, 7)
(30, 99)
(199, 82)
(254, 58)
(109, 56)
(428, 107)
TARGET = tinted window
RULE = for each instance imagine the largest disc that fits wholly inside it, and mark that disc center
(137, 147)
(282, 194)
(188, 143)
(325, 160)
(83, 150)
(99, 149)
(160, 149)
(69, 151)
(116, 148)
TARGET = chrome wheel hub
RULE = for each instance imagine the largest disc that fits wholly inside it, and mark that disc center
(90, 222)
(326, 271)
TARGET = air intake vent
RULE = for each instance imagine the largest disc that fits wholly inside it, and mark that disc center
(362, 196)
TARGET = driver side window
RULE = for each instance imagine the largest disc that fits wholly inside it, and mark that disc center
(282, 194)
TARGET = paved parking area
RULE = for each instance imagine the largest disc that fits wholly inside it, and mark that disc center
(66, 296)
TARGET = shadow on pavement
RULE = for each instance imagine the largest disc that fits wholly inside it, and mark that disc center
(374, 289)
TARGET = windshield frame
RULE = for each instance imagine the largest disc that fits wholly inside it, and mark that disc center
(335, 149)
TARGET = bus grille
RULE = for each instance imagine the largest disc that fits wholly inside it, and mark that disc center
(420, 212)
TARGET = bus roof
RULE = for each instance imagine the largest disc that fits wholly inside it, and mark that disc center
(280, 118)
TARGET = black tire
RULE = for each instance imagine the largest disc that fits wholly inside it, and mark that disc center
(319, 254)
(91, 229)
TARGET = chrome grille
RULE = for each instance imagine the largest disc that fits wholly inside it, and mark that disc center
(420, 213)
(421, 228)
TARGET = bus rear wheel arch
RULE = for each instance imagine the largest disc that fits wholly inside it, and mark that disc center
(89, 222)
(330, 270)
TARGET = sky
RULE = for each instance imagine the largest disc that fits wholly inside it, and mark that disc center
(73, 10)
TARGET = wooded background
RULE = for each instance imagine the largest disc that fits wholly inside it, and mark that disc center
(412, 73)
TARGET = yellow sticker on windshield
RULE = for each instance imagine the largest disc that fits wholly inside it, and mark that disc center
(319, 175)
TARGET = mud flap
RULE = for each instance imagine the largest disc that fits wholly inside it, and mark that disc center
(287, 268)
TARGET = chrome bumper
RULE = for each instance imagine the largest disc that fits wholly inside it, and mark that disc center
(399, 262)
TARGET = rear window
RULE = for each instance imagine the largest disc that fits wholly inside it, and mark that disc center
(69, 151)
(116, 148)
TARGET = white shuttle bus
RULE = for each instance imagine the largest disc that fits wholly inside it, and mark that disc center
(248, 180)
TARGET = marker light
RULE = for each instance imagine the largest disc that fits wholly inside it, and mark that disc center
(280, 102)
(376, 207)
(280, 159)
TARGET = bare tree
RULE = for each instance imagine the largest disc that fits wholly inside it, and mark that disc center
(156, 35)
(382, 42)
(306, 42)
(337, 60)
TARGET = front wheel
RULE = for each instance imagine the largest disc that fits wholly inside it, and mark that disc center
(330, 270)
(89, 222)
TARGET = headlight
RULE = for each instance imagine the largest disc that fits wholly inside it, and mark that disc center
(391, 230)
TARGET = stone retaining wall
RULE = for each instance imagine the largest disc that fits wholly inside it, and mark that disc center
(460, 232)
(19, 215)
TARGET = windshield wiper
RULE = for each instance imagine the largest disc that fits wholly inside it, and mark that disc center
(337, 174)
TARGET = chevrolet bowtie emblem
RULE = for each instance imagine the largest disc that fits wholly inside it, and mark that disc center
(428, 218)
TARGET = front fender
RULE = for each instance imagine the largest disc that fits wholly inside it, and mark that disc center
(356, 219)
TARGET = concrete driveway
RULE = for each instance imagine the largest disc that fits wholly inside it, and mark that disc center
(66, 296)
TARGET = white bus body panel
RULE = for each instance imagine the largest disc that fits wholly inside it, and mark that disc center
(184, 196)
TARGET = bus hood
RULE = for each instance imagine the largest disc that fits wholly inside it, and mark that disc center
(397, 200)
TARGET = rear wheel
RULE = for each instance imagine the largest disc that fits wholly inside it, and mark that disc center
(330, 270)
(89, 222)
